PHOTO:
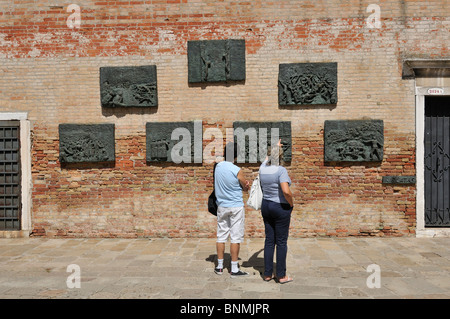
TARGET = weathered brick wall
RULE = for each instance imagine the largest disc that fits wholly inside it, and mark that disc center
(52, 72)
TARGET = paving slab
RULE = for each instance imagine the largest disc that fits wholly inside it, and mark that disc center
(182, 268)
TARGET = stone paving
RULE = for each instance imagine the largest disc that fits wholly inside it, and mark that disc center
(183, 268)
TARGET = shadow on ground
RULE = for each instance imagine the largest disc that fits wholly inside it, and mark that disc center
(256, 261)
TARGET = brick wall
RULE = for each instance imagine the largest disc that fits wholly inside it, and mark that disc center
(52, 72)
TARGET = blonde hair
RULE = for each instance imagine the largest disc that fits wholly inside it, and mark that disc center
(275, 155)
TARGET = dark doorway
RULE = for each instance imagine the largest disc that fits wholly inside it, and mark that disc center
(437, 161)
(10, 188)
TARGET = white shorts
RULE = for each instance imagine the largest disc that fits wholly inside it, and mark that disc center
(230, 222)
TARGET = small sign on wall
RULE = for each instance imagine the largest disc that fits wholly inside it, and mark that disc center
(435, 91)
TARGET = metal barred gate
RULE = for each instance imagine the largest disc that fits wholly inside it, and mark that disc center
(437, 161)
(10, 177)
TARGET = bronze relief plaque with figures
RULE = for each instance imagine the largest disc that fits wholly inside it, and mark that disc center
(173, 142)
(254, 139)
(80, 143)
(216, 60)
(307, 83)
(353, 141)
(131, 86)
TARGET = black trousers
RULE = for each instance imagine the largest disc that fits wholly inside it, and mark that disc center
(277, 218)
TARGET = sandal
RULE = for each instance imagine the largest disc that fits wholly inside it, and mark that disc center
(268, 278)
(285, 280)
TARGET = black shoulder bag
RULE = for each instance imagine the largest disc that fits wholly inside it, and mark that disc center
(212, 205)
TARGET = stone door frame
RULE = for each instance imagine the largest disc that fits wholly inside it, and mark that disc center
(421, 92)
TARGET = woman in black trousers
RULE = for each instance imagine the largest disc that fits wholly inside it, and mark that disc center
(276, 211)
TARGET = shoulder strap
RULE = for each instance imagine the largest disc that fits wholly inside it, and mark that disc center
(214, 175)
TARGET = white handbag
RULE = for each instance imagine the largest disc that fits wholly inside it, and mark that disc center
(256, 195)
